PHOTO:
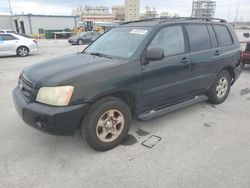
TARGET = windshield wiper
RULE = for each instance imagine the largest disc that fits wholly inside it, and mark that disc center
(101, 55)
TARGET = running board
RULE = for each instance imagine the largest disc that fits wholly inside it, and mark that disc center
(153, 114)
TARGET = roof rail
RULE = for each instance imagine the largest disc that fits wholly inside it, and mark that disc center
(165, 19)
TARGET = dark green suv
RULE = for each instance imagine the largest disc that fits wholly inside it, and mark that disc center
(140, 69)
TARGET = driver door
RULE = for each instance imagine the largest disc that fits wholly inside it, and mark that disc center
(167, 81)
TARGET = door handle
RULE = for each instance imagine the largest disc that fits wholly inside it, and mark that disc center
(217, 52)
(184, 60)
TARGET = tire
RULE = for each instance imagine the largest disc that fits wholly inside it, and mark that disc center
(22, 51)
(220, 88)
(80, 42)
(106, 124)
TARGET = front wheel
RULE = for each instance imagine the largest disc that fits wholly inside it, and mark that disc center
(220, 88)
(106, 124)
(80, 42)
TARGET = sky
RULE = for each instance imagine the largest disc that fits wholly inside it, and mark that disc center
(225, 9)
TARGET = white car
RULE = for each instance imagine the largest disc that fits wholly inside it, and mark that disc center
(14, 44)
(7, 31)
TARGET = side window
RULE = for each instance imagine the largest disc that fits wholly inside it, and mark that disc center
(223, 36)
(198, 37)
(212, 36)
(248, 48)
(8, 37)
(170, 39)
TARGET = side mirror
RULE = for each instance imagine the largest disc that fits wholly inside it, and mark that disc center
(154, 54)
(247, 35)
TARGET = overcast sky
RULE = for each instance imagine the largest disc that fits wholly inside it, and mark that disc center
(225, 8)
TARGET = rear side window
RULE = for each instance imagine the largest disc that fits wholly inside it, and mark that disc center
(8, 37)
(198, 37)
(248, 48)
(223, 36)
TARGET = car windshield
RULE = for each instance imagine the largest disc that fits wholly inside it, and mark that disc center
(83, 34)
(119, 43)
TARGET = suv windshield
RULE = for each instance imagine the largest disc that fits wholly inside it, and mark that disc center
(119, 43)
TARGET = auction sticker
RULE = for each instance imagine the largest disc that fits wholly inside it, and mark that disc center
(139, 31)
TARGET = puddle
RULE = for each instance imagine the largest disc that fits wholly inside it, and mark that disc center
(207, 124)
(141, 132)
(130, 140)
(245, 91)
(213, 106)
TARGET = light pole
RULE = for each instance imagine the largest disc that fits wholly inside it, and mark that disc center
(10, 7)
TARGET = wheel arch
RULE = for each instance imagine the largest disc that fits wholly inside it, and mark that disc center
(230, 70)
(125, 96)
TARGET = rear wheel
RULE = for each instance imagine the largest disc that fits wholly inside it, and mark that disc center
(107, 123)
(22, 51)
(220, 88)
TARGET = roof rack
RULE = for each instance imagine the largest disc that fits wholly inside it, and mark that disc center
(166, 19)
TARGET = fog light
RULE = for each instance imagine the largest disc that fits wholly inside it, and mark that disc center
(40, 123)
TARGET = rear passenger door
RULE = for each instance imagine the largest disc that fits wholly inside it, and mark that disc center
(204, 55)
(166, 81)
(7, 44)
(227, 47)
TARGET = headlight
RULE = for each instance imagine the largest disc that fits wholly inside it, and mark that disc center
(56, 96)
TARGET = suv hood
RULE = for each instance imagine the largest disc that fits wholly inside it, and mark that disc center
(67, 69)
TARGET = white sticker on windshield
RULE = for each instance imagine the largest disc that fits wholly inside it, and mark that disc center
(139, 31)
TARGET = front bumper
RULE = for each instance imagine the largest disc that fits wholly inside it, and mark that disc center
(53, 120)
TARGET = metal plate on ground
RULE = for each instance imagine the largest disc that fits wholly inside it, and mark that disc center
(151, 141)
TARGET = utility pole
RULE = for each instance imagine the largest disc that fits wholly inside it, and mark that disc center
(237, 12)
(10, 7)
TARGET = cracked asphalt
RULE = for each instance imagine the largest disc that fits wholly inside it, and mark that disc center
(203, 145)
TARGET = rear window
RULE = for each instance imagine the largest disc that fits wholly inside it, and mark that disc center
(223, 36)
(198, 37)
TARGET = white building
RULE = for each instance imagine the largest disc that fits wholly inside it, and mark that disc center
(37, 24)
(132, 10)
(203, 8)
(149, 13)
(91, 11)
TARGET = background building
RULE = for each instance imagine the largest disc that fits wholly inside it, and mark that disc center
(119, 12)
(95, 14)
(132, 10)
(5, 22)
(89, 10)
(38, 24)
(149, 13)
(203, 8)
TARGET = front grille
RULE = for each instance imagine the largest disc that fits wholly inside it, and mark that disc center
(27, 89)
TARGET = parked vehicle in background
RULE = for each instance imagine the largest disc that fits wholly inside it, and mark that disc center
(142, 69)
(84, 38)
(7, 31)
(245, 52)
(15, 44)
